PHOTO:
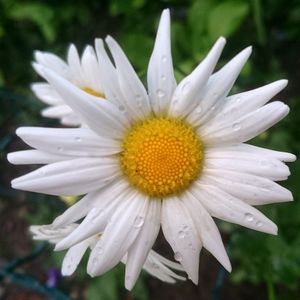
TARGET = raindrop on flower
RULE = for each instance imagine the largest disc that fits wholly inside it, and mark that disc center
(186, 86)
(138, 222)
(160, 93)
(78, 139)
(163, 58)
(236, 126)
(249, 217)
(181, 234)
(178, 256)
(122, 108)
(258, 224)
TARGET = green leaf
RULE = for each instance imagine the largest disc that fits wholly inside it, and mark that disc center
(40, 14)
(225, 18)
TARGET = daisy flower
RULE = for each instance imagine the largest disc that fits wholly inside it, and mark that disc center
(83, 72)
(174, 156)
(155, 264)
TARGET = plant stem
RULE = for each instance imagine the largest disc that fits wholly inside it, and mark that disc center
(260, 28)
(271, 290)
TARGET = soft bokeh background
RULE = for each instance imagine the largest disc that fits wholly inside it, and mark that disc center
(264, 267)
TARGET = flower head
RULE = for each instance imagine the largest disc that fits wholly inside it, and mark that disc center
(83, 72)
(174, 156)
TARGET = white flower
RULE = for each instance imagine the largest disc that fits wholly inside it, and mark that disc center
(155, 264)
(83, 72)
(174, 156)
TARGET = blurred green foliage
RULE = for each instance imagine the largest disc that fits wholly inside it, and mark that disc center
(271, 26)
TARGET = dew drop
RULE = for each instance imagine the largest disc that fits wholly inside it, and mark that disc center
(258, 224)
(78, 139)
(163, 77)
(249, 217)
(198, 109)
(163, 58)
(155, 266)
(59, 148)
(236, 126)
(121, 108)
(238, 99)
(138, 222)
(181, 234)
(160, 93)
(178, 256)
(99, 250)
(95, 261)
(186, 87)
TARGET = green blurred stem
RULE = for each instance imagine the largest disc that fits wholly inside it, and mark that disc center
(260, 28)
(271, 290)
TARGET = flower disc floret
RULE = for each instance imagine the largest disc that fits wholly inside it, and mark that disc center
(161, 156)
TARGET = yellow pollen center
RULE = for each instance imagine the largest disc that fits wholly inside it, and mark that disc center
(161, 156)
(93, 92)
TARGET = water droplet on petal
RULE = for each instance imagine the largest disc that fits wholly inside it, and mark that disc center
(138, 222)
(249, 217)
(258, 224)
(78, 139)
(99, 250)
(236, 126)
(178, 256)
(121, 108)
(181, 234)
(198, 109)
(163, 58)
(186, 87)
(59, 148)
(163, 77)
(160, 93)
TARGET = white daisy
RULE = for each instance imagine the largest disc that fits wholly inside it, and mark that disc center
(174, 156)
(155, 264)
(83, 72)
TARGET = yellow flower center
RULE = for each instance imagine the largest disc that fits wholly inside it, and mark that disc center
(93, 92)
(161, 156)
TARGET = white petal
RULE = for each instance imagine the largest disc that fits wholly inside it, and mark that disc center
(179, 230)
(134, 93)
(138, 252)
(108, 75)
(207, 230)
(119, 234)
(217, 89)
(228, 208)
(57, 111)
(26, 157)
(253, 163)
(71, 177)
(156, 268)
(238, 105)
(101, 116)
(246, 127)
(283, 156)
(165, 261)
(52, 62)
(50, 234)
(98, 207)
(160, 75)
(46, 93)
(252, 189)
(71, 120)
(75, 66)
(81, 142)
(73, 258)
(187, 94)
(90, 68)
